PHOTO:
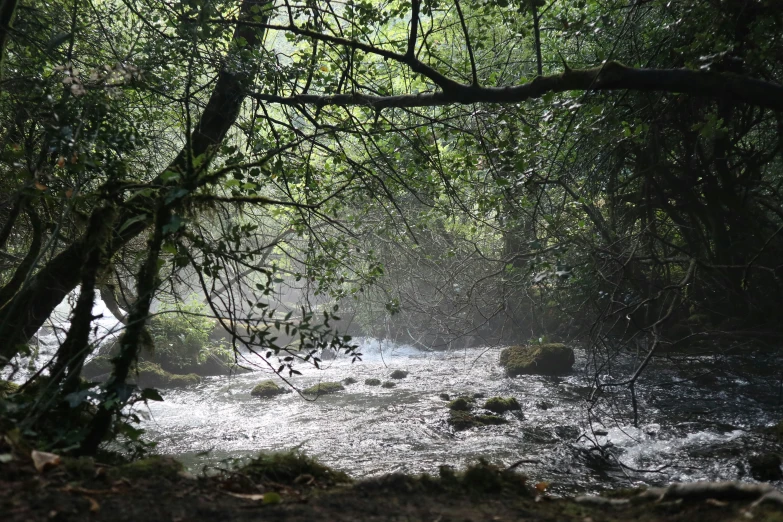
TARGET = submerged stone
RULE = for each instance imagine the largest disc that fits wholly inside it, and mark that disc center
(372, 382)
(324, 388)
(501, 405)
(265, 389)
(460, 404)
(349, 380)
(398, 374)
(542, 359)
(463, 420)
(388, 384)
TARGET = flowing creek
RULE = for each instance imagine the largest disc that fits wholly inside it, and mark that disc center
(700, 418)
(693, 432)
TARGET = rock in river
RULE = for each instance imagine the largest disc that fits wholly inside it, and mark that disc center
(542, 359)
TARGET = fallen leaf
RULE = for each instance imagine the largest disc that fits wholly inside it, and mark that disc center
(246, 496)
(94, 506)
(541, 486)
(43, 460)
(272, 498)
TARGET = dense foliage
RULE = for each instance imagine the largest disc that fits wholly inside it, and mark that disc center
(446, 171)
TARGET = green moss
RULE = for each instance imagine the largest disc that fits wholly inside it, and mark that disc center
(388, 384)
(324, 388)
(372, 382)
(398, 374)
(545, 359)
(289, 468)
(7, 388)
(151, 375)
(462, 420)
(151, 467)
(349, 380)
(265, 389)
(82, 468)
(460, 404)
(501, 405)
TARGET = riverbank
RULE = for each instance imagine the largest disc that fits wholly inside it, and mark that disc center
(292, 487)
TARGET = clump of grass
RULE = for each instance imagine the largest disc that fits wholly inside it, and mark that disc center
(290, 467)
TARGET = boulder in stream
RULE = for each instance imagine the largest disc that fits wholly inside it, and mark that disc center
(541, 359)
(765, 467)
(501, 405)
(464, 420)
(265, 389)
(460, 404)
(349, 380)
(372, 382)
(398, 374)
(153, 376)
(98, 368)
(324, 388)
(388, 384)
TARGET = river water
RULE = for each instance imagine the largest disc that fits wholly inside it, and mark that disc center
(700, 417)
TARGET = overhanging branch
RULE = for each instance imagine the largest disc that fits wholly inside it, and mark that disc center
(613, 76)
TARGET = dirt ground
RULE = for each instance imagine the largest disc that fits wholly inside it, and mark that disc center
(72, 490)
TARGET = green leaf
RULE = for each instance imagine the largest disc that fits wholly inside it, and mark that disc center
(131, 221)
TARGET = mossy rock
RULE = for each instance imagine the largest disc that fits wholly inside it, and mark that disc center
(766, 467)
(388, 384)
(372, 382)
(463, 420)
(151, 467)
(398, 374)
(151, 375)
(460, 404)
(541, 359)
(290, 468)
(98, 368)
(349, 380)
(7, 388)
(324, 388)
(501, 405)
(265, 389)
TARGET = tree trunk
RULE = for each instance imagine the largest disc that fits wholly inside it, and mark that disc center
(35, 303)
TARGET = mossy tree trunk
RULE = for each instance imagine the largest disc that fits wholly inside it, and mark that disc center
(52, 283)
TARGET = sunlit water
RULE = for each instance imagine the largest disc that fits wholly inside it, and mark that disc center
(699, 417)
(685, 433)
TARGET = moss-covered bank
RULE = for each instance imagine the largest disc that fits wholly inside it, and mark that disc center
(292, 487)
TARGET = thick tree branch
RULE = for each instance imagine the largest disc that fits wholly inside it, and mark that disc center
(613, 76)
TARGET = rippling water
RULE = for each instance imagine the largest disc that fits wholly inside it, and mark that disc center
(700, 416)
(687, 431)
